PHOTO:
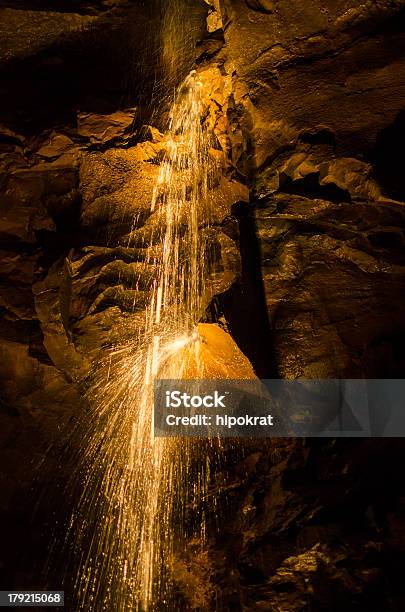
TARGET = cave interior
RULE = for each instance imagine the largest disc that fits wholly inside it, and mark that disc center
(306, 102)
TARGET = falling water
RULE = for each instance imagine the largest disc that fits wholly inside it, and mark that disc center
(134, 488)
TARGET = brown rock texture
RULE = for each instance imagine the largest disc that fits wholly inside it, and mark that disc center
(307, 270)
(318, 96)
(77, 170)
(315, 118)
(217, 356)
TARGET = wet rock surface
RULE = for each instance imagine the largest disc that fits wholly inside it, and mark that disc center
(333, 274)
(327, 216)
(312, 528)
(312, 523)
(79, 247)
(74, 78)
(306, 104)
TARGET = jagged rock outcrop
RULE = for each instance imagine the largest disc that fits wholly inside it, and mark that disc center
(308, 86)
(333, 273)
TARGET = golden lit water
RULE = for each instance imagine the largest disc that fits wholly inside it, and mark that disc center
(134, 488)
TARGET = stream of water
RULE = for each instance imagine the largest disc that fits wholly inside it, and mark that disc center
(128, 522)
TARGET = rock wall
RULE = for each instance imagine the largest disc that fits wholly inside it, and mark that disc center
(77, 170)
(318, 96)
(306, 101)
(315, 123)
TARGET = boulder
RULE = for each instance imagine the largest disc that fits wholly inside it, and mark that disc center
(106, 129)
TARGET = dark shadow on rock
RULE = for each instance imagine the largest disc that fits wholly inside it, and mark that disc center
(388, 157)
(244, 304)
(310, 187)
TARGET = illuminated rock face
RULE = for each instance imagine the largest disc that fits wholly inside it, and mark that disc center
(215, 355)
(304, 66)
(309, 84)
(305, 101)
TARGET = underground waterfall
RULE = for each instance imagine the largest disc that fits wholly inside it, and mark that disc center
(133, 483)
(244, 219)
